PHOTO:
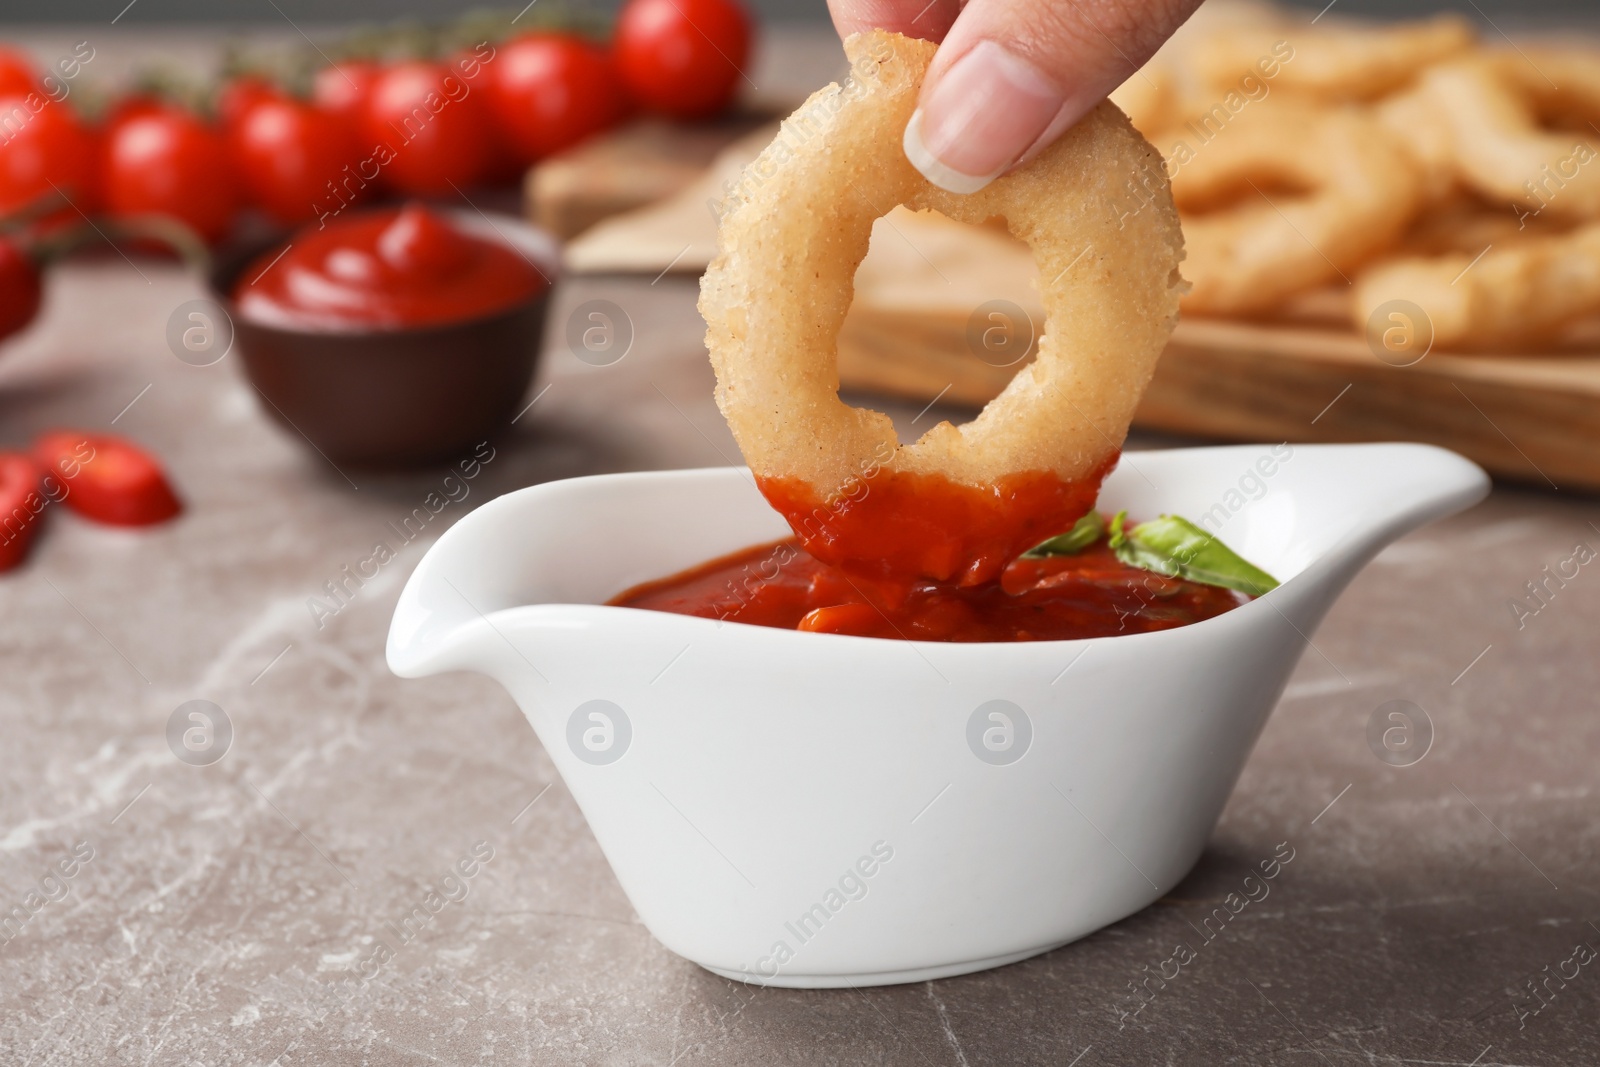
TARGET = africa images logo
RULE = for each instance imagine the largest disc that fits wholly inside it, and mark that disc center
(850, 886)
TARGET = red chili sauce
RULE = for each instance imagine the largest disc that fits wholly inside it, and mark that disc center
(384, 270)
(1056, 598)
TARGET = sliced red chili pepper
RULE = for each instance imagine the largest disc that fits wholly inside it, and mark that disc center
(21, 501)
(108, 479)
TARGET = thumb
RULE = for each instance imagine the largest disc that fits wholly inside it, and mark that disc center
(1012, 75)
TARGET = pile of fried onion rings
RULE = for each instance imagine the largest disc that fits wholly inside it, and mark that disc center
(1316, 165)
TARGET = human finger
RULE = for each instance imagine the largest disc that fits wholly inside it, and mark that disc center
(1013, 74)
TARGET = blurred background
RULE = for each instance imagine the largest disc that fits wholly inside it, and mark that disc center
(775, 10)
(210, 510)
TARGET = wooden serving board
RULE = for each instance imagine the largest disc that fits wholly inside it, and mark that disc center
(1533, 419)
(643, 162)
(1523, 419)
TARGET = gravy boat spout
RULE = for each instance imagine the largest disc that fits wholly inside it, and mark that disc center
(805, 809)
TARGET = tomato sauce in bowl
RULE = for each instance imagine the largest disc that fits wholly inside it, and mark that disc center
(393, 337)
(1047, 598)
(384, 270)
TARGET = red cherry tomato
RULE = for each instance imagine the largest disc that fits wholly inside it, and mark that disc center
(50, 149)
(240, 95)
(434, 125)
(505, 166)
(286, 153)
(551, 90)
(683, 58)
(19, 288)
(21, 502)
(17, 72)
(472, 65)
(345, 88)
(126, 107)
(107, 479)
(166, 161)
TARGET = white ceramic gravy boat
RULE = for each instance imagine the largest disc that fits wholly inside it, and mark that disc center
(818, 810)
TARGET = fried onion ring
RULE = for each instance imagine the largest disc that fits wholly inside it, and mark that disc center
(1335, 62)
(1464, 223)
(1493, 107)
(1249, 249)
(1416, 125)
(962, 501)
(1520, 293)
(1149, 98)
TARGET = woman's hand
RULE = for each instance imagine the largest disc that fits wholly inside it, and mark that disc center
(1011, 75)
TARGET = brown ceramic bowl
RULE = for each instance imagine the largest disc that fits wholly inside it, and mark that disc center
(396, 397)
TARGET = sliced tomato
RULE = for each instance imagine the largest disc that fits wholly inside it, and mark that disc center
(108, 479)
(21, 502)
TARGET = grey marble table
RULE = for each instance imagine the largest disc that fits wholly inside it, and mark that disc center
(214, 912)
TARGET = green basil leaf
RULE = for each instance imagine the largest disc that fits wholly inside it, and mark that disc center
(1176, 547)
(1130, 550)
(1114, 533)
(1085, 532)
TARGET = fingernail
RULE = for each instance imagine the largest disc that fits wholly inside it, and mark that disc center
(980, 117)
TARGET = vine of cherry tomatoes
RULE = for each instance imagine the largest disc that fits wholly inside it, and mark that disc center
(413, 127)
(428, 127)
